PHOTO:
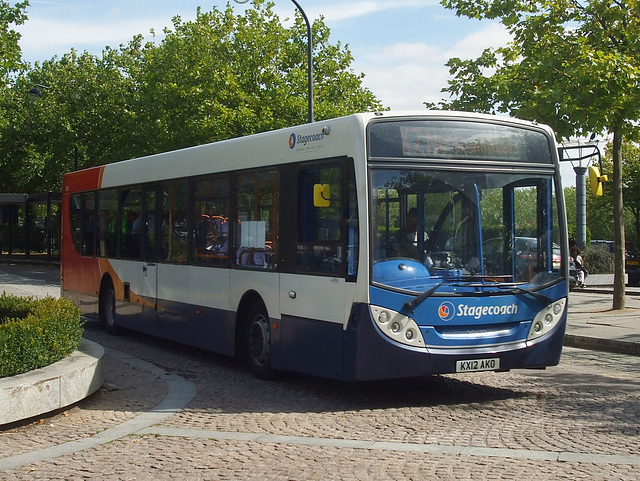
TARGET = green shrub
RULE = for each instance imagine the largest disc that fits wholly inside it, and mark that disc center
(36, 332)
(598, 260)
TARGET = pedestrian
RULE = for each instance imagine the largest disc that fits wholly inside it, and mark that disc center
(578, 262)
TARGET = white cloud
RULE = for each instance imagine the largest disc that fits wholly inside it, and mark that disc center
(405, 75)
(492, 34)
(40, 36)
(407, 51)
(406, 86)
(347, 10)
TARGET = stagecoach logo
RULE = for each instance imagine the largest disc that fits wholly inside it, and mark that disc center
(305, 139)
(446, 311)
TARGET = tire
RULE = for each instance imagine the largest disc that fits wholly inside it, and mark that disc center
(257, 342)
(108, 315)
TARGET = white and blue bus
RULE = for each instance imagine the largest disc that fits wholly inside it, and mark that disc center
(373, 246)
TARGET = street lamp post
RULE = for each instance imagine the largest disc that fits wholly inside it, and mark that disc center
(309, 58)
(581, 182)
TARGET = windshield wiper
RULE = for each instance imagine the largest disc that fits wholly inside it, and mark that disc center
(522, 290)
(411, 305)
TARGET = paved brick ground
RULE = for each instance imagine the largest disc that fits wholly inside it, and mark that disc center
(580, 420)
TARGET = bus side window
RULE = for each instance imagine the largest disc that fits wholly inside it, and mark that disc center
(257, 220)
(75, 221)
(211, 227)
(107, 218)
(88, 225)
(131, 215)
(174, 231)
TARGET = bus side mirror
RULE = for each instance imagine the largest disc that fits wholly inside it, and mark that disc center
(596, 180)
(322, 195)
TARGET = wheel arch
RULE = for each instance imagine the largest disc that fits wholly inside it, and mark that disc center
(104, 283)
(248, 300)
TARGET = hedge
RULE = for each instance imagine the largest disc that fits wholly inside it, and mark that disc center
(36, 332)
(598, 260)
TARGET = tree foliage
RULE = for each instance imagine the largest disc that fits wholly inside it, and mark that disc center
(10, 54)
(572, 64)
(219, 76)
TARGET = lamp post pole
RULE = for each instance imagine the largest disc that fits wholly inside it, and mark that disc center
(309, 58)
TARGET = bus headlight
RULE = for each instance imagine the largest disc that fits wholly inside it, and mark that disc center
(397, 326)
(547, 319)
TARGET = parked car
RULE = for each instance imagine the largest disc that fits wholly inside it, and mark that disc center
(631, 262)
(632, 266)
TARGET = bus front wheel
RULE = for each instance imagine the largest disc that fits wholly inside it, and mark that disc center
(258, 342)
(108, 308)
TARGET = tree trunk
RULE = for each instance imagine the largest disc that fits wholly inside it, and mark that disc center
(619, 300)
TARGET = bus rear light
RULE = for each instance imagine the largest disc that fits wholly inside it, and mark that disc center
(547, 319)
(397, 326)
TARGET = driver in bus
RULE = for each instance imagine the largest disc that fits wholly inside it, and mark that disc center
(406, 239)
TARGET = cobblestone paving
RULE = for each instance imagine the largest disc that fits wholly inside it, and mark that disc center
(135, 458)
(116, 402)
(522, 424)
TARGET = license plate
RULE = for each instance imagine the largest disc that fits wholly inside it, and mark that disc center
(474, 365)
(632, 263)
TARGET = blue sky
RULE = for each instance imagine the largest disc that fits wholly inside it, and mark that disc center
(401, 46)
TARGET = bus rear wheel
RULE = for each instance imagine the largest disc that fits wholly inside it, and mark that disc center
(258, 342)
(108, 308)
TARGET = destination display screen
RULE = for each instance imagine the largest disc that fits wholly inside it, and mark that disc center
(458, 139)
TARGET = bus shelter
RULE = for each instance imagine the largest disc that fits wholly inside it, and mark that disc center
(30, 226)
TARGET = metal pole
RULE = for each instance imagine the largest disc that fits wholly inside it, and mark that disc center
(309, 61)
(581, 205)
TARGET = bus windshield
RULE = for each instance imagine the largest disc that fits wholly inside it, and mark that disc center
(462, 226)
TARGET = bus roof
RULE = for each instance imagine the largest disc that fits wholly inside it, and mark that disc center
(343, 136)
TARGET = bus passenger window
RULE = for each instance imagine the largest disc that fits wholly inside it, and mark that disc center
(131, 214)
(174, 222)
(257, 216)
(75, 216)
(107, 218)
(88, 225)
(211, 226)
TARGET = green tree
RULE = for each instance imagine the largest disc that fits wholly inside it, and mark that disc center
(219, 76)
(10, 54)
(573, 65)
(223, 76)
(631, 188)
(85, 115)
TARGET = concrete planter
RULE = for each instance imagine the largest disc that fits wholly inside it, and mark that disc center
(52, 387)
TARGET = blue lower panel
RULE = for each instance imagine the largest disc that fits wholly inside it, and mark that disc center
(197, 326)
(369, 355)
(201, 327)
(309, 347)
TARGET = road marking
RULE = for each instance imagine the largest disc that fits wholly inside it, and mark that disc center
(398, 447)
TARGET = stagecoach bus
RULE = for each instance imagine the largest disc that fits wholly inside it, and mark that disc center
(373, 246)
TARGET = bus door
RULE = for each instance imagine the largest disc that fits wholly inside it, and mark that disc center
(313, 298)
